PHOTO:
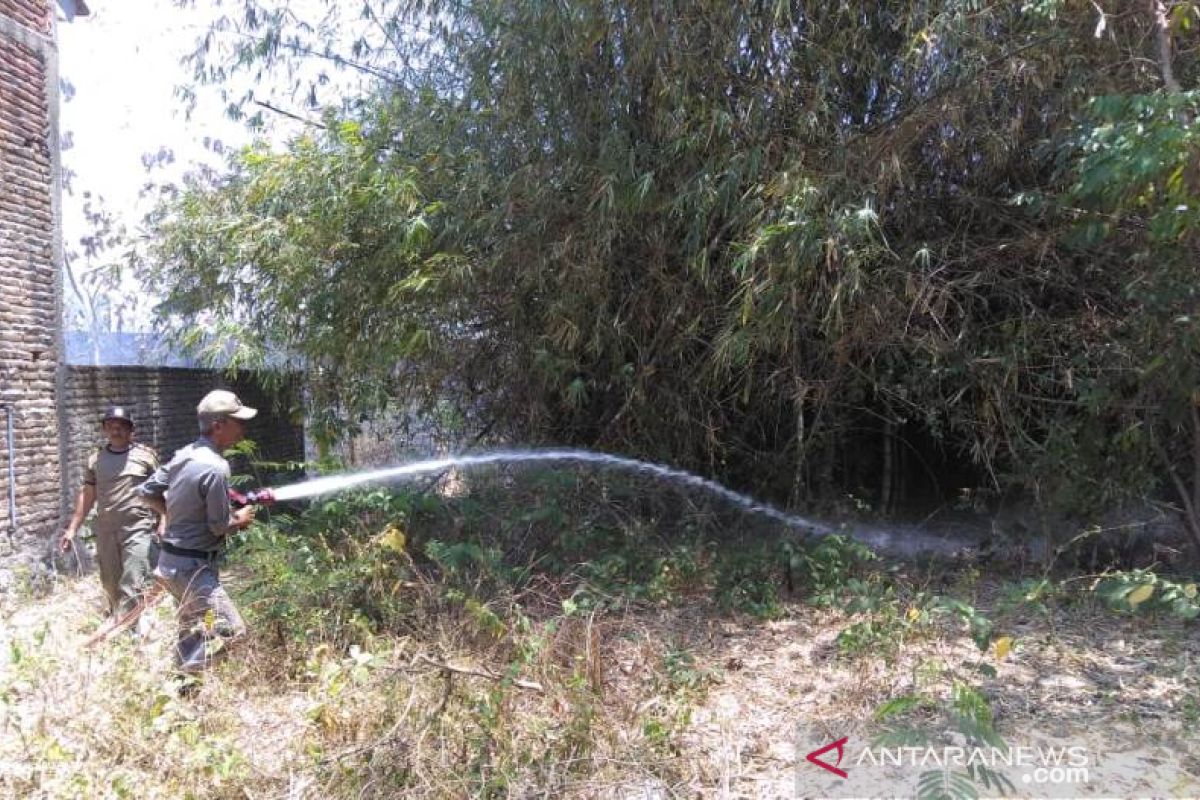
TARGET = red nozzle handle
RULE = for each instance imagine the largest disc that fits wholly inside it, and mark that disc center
(255, 497)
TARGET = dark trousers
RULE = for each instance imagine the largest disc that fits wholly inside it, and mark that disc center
(208, 619)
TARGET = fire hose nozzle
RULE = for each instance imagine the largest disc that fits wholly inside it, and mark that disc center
(254, 497)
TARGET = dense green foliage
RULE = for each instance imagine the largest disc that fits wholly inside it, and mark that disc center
(555, 536)
(796, 246)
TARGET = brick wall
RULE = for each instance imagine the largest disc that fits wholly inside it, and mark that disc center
(163, 402)
(29, 250)
(36, 15)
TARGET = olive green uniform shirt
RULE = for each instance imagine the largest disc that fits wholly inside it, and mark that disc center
(117, 477)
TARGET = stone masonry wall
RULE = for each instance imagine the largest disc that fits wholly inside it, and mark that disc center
(29, 282)
(163, 404)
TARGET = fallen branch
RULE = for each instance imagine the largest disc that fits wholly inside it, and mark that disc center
(523, 684)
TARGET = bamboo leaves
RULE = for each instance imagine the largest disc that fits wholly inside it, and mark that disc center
(640, 225)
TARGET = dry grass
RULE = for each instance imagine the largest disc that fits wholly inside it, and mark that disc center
(681, 701)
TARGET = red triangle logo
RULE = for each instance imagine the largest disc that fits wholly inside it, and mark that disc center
(838, 745)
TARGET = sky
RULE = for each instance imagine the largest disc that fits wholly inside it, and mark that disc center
(123, 62)
(123, 66)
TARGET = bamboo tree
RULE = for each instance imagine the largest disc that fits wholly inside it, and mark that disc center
(741, 237)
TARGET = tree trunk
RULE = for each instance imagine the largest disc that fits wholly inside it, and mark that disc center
(889, 467)
(1189, 496)
(799, 481)
(1162, 29)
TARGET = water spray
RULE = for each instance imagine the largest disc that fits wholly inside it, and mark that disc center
(899, 540)
(911, 541)
(335, 483)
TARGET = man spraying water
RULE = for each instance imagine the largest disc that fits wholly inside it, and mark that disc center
(193, 491)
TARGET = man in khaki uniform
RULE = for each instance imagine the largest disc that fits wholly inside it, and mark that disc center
(124, 527)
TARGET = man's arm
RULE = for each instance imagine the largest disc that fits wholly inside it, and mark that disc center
(152, 494)
(160, 512)
(156, 504)
(222, 519)
(83, 504)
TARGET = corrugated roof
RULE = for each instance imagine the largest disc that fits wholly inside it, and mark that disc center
(121, 349)
(74, 8)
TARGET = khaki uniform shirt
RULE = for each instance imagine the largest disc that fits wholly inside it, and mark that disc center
(117, 477)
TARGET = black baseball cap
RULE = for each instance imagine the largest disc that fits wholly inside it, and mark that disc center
(117, 412)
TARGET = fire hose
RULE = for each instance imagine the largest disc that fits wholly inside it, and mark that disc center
(152, 596)
(116, 624)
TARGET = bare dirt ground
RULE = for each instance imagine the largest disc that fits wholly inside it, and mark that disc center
(1124, 689)
(690, 701)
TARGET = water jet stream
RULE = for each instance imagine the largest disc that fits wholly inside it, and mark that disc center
(334, 483)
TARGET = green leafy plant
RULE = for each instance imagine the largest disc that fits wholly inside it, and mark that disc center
(336, 571)
(920, 720)
(981, 627)
(1029, 595)
(1140, 591)
(827, 567)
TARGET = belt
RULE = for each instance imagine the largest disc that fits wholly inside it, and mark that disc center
(185, 552)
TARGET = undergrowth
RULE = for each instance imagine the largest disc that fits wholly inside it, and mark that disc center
(497, 643)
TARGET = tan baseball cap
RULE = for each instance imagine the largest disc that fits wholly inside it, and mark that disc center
(220, 403)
